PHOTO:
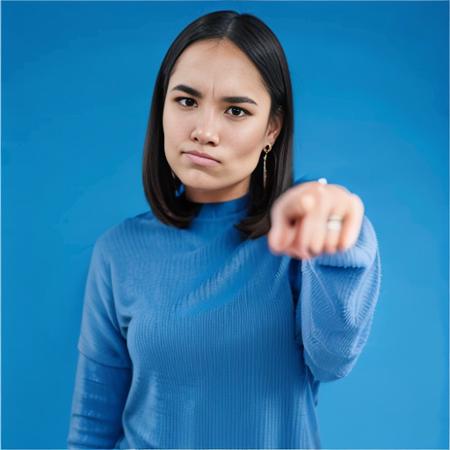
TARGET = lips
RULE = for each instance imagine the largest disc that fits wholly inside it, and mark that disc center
(203, 155)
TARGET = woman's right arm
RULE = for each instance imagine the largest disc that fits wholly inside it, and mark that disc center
(98, 400)
(104, 368)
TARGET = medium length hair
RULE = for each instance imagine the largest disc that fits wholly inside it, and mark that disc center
(259, 43)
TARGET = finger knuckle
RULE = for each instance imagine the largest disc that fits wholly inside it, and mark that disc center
(307, 199)
(319, 187)
(358, 201)
(321, 191)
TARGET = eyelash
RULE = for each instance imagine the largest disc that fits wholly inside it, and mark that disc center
(236, 107)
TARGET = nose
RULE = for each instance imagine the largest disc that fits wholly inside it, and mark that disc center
(205, 131)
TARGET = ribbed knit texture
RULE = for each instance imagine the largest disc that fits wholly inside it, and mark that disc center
(191, 338)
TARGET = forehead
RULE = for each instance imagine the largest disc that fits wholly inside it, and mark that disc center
(218, 65)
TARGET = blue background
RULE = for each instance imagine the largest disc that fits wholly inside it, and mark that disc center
(371, 102)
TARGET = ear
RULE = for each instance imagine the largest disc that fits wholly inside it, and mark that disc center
(274, 127)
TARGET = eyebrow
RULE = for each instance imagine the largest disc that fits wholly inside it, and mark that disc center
(231, 99)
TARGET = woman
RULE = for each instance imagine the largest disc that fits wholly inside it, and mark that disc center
(211, 319)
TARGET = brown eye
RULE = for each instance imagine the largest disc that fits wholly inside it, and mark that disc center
(178, 99)
(235, 108)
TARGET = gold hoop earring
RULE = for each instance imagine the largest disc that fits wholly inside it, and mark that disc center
(267, 149)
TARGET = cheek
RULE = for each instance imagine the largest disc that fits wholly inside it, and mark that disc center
(246, 145)
(174, 132)
(243, 161)
(247, 137)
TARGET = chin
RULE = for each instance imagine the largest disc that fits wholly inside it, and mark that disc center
(198, 178)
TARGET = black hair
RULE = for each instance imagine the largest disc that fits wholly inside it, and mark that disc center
(259, 43)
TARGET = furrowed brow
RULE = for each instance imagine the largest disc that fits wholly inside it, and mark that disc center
(195, 93)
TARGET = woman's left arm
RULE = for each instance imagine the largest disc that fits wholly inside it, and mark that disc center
(340, 276)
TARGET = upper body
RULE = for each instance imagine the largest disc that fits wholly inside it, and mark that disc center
(192, 338)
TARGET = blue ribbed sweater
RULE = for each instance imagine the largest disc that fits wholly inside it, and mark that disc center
(191, 338)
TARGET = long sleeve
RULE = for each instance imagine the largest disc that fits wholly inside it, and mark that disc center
(104, 369)
(337, 297)
(98, 400)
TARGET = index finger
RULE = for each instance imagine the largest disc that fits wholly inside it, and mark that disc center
(289, 207)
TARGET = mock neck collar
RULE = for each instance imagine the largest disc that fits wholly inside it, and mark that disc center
(219, 210)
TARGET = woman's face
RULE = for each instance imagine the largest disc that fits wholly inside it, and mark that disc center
(197, 116)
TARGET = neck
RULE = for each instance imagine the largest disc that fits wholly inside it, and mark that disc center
(217, 196)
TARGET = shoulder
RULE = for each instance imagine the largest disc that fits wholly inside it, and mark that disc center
(123, 234)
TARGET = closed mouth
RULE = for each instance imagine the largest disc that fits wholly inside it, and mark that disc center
(202, 155)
